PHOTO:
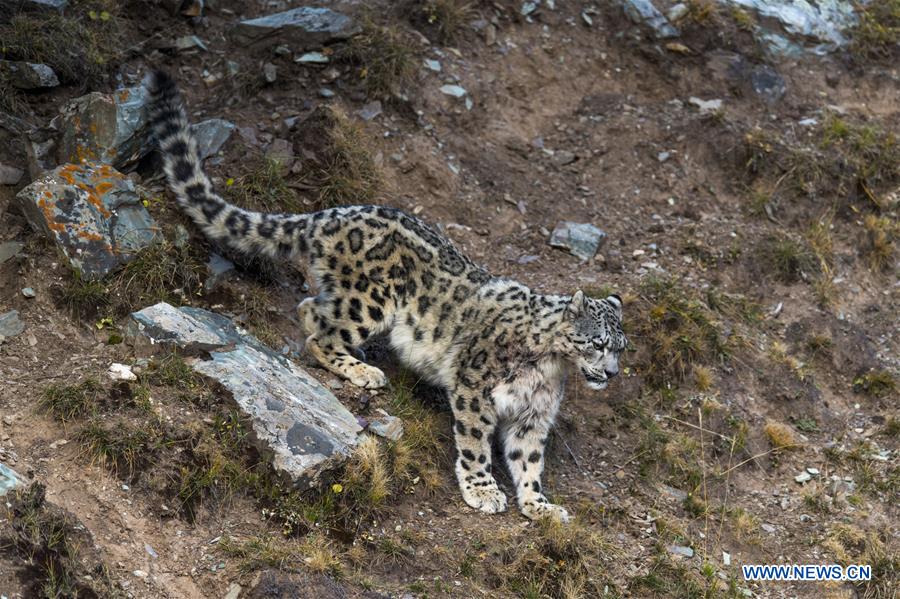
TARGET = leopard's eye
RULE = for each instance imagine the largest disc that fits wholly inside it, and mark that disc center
(599, 344)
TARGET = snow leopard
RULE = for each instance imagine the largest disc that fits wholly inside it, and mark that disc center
(500, 350)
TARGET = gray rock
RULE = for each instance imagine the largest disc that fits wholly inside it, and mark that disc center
(580, 239)
(803, 477)
(28, 292)
(270, 72)
(297, 423)
(312, 58)
(211, 135)
(28, 75)
(10, 325)
(824, 21)
(564, 157)
(10, 175)
(281, 151)
(677, 11)
(433, 65)
(218, 267)
(453, 90)
(10, 8)
(370, 110)
(706, 106)
(644, 12)
(680, 550)
(10, 249)
(93, 214)
(768, 527)
(188, 42)
(768, 83)
(105, 128)
(387, 426)
(303, 28)
(9, 480)
(325, 92)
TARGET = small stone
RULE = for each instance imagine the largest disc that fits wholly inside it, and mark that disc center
(270, 72)
(370, 110)
(387, 426)
(10, 175)
(433, 65)
(217, 267)
(234, 591)
(335, 384)
(528, 8)
(813, 471)
(324, 92)
(768, 527)
(803, 477)
(663, 156)
(189, 41)
(726, 558)
(10, 326)
(10, 249)
(580, 239)
(312, 58)
(120, 372)
(681, 550)
(28, 292)
(140, 573)
(564, 157)
(677, 12)
(453, 90)
(706, 106)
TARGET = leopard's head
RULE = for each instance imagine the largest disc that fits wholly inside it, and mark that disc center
(594, 339)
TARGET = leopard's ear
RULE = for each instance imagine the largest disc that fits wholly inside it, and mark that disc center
(576, 305)
(615, 301)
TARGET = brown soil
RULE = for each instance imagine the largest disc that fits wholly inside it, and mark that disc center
(614, 99)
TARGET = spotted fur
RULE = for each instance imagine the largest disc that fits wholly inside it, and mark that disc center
(500, 349)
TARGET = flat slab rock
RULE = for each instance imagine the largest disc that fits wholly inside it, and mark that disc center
(296, 421)
(93, 213)
(28, 75)
(302, 28)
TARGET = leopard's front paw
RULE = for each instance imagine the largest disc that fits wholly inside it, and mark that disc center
(489, 500)
(365, 376)
(539, 508)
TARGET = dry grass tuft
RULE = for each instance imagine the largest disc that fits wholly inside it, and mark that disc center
(55, 549)
(876, 383)
(676, 331)
(786, 258)
(68, 402)
(341, 168)
(384, 58)
(79, 46)
(780, 436)
(442, 21)
(851, 545)
(879, 248)
(264, 188)
(877, 33)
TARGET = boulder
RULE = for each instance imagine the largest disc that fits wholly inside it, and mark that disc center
(302, 28)
(297, 423)
(580, 239)
(28, 75)
(104, 128)
(92, 212)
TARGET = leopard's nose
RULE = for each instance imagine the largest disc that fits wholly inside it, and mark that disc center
(611, 372)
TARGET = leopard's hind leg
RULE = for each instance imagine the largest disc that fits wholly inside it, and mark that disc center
(335, 331)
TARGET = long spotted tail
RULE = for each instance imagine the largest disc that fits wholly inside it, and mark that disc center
(243, 230)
